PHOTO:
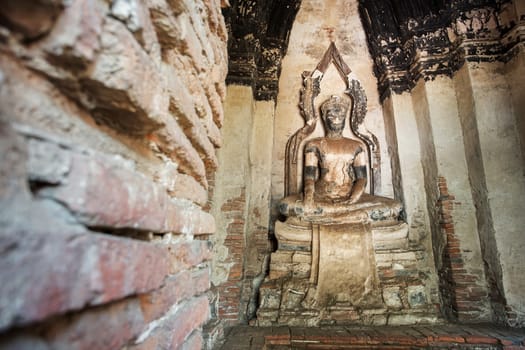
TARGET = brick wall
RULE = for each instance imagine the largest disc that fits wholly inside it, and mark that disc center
(238, 300)
(110, 116)
(464, 293)
(230, 291)
(240, 204)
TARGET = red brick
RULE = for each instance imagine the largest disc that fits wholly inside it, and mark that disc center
(398, 340)
(68, 272)
(163, 17)
(188, 254)
(234, 237)
(182, 106)
(125, 85)
(235, 228)
(186, 187)
(172, 141)
(479, 339)
(31, 20)
(191, 43)
(464, 304)
(194, 342)
(190, 317)
(177, 288)
(467, 280)
(74, 39)
(137, 20)
(172, 331)
(454, 250)
(387, 273)
(217, 111)
(278, 340)
(128, 267)
(102, 193)
(449, 339)
(510, 339)
(107, 328)
(234, 276)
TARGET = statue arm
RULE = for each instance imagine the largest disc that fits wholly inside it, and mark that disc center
(311, 174)
(360, 171)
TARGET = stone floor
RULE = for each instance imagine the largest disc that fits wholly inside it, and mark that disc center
(449, 336)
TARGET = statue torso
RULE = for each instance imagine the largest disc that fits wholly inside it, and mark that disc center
(336, 174)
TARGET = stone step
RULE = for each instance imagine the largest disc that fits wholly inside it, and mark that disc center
(449, 336)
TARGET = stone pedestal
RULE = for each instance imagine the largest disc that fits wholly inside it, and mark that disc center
(346, 272)
(354, 273)
(343, 255)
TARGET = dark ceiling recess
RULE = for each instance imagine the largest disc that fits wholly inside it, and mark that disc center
(407, 39)
(410, 39)
(258, 38)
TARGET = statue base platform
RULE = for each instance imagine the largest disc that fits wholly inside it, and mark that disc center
(360, 273)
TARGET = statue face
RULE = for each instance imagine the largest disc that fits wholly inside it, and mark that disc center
(334, 120)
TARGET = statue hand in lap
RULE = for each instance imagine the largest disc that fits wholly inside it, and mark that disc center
(334, 166)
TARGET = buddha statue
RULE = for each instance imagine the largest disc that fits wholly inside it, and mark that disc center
(335, 177)
(324, 268)
(334, 166)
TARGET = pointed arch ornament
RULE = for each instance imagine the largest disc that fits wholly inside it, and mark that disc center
(309, 91)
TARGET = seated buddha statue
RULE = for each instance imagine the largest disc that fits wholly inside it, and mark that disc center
(335, 177)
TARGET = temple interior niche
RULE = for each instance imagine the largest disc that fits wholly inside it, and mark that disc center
(339, 241)
(443, 82)
(148, 200)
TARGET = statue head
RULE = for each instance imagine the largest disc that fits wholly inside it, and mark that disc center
(333, 112)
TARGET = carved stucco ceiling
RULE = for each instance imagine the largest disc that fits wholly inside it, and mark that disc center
(398, 32)
(258, 38)
(415, 39)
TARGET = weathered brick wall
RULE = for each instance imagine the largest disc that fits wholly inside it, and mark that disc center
(464, 292)
(240, 205)
(110, 116)
(230, 290)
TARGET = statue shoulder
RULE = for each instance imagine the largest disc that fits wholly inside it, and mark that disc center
(313, 145)
(315, 142)
(354, 145)
(352, 141)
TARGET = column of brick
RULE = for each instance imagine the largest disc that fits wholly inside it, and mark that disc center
(460, 290)
(230, 291)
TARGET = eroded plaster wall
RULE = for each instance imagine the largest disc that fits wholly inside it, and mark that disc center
(410, 175)
(241, 204)
(459, 140)
(456, 209)
(229, 201)
(461, 171)
(500, 151)
(515, 69)
(436, 193)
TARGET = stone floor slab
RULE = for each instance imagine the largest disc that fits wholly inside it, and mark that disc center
(431, 337)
